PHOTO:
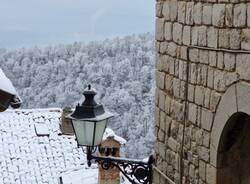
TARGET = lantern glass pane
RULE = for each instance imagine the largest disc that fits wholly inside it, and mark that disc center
(84, 131)
(100, 128)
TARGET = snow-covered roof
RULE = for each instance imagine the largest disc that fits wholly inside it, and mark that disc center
(83, 175)
(109, 133)
(5, 84)
(26, 158)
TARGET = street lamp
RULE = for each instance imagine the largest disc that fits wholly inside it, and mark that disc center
(89, 122)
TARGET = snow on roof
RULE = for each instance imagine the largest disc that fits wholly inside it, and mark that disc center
(5, 84)
(30, 159)
(88, 176)
(109, 133)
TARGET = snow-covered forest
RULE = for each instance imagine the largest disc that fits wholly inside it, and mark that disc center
(121, 70)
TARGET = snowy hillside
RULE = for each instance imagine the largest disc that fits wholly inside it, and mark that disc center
(122, 71)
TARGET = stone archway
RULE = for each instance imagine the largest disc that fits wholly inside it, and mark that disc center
(230, 136)
(233, 152)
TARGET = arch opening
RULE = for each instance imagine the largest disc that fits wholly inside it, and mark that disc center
(233, 156)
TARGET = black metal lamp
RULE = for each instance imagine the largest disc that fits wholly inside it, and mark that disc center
(89, 122)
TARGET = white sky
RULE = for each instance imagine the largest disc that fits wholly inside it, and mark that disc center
(43, 22)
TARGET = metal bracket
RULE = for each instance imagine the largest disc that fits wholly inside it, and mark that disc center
(137, 172)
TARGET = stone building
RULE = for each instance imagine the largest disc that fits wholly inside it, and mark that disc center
(203, 92)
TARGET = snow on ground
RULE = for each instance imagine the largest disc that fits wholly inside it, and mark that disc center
(26, 158)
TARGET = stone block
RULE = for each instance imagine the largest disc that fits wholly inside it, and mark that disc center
(176, 87)
(194, 55)
(162, 100)
(210, 174)
(158, 9)
(240, 15)
(219, 81)
(161, 136)
(202, 170)
(202, 36)
(181, 11)
(231, 77)
(192, 113)
(197, 13)
(229, 15)
(173, 10)
(172, 49)
(171, 61)
(160, 79)
(164, 63)
(212, 58)
(207, 14)
(243, 97)
(167, 104)
(173, 144)
(162, 150)
(186, 35)
(243, 66)
(166, 10)
(193, 73)
(189, 13)
(199, 95)
(168, 31)
(167, 127)
(181, 69)
(203, 56)
(224, 38)
(248, 14)
(220, 60)
(218, 18)
(212, 35)
(178, 111)
(159, 34)
(162, 120)
(191, 92)
(206, 119)
(169, 83)
(203, 153)
(210, 77)
(163, 47)
(235, 39)
(194, 35)
(207, 97)
(229, 61)
(184, 51)
(245, 39)
(204, 69)
(214, 100)
(177, 33)
(206, 139)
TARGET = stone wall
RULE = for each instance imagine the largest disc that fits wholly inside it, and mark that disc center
(202, 57)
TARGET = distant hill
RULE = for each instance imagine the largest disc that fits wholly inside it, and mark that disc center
(121, 70)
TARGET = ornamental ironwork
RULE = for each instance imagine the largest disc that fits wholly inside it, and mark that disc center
(137, 172)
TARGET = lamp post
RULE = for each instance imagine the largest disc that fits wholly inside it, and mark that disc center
(89, 122)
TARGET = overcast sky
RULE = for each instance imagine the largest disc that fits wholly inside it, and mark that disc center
(44, 22)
